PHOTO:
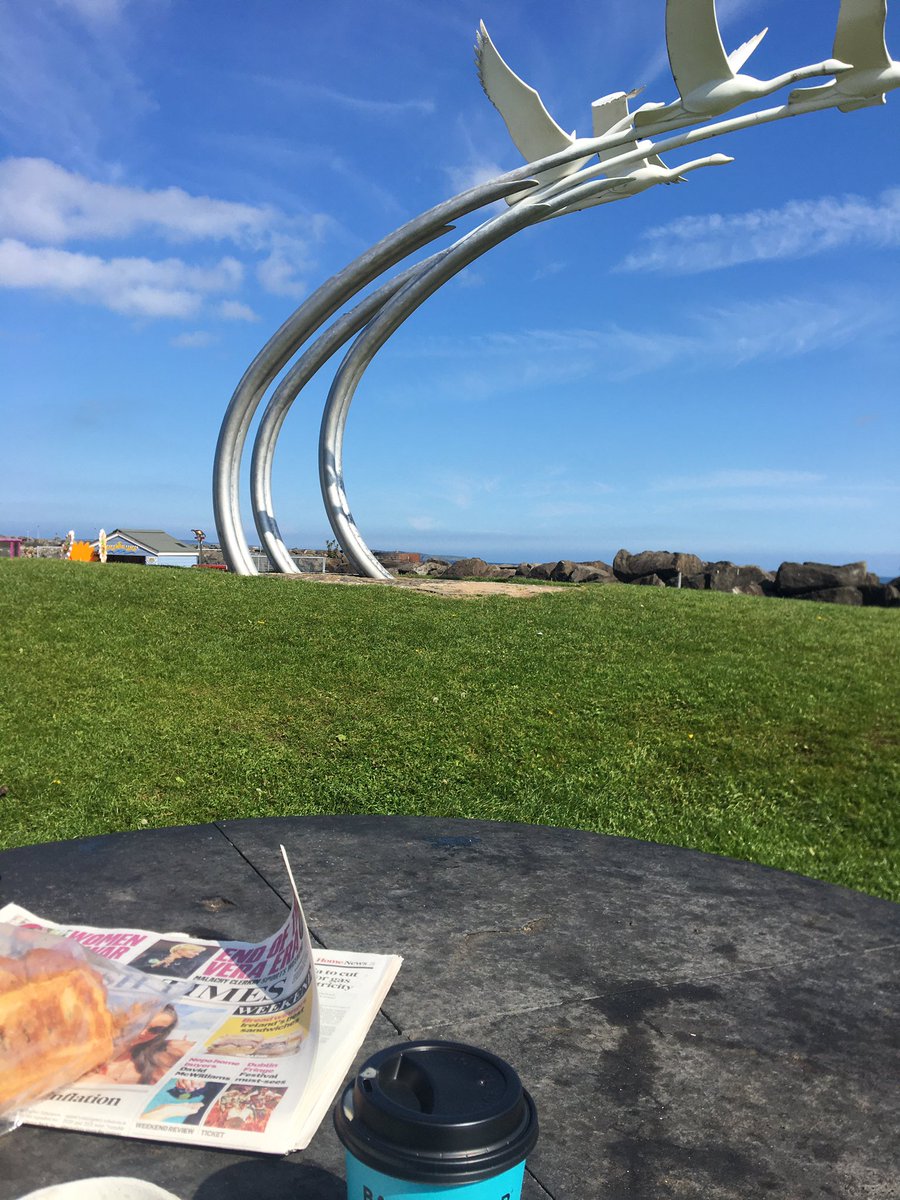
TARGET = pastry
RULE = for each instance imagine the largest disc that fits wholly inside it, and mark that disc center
(55, 1024)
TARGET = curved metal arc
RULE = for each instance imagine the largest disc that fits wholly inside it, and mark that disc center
(390, 250)
(300, 374)
(361, 353)
(281, 347)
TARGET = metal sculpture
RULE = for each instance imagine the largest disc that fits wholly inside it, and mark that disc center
(564, 173)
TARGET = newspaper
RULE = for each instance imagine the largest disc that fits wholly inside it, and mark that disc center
(250, 1049)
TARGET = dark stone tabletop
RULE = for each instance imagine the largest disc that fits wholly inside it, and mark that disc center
(689, 1026)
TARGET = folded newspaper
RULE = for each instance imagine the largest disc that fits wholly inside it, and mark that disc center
(247, 1047)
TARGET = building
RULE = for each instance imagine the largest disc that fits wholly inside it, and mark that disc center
(10, 547)
(148, 547)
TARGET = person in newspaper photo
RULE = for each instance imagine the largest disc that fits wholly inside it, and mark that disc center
(177, 959)
(148, 1056)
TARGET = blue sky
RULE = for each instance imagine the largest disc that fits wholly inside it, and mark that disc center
(710, 367)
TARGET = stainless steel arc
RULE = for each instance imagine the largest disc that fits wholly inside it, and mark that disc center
(367, 345)
(554, 184)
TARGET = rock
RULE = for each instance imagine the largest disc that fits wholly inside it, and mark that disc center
(649, 581)
(833, 595)
(468, 568)
(562, 572)
(585, 573)
(524, 569)
(599, 564)
(697, 583)
(664, 563)
(541, 570)
(440, 562)
(882, 595)
(749, 580)
(871, 579)
(793, 579)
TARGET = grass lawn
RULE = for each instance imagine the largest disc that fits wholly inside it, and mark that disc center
(759, 728)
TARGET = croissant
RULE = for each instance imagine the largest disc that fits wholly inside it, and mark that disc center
(55, 1024)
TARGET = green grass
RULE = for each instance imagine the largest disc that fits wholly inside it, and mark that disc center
(758, 728)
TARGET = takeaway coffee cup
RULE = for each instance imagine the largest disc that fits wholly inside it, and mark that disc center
(436, 1119)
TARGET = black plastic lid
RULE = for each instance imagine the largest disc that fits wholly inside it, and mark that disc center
(437, 1112)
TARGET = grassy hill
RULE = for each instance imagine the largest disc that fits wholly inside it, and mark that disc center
(759, 728)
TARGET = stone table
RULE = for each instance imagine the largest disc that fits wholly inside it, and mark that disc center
(690, 1026)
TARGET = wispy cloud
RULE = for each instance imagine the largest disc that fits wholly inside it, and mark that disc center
(132, 286)
(199, 339)
(234, 310)
(95, 12)
(461, 490)
(738, 479)
(724, 337)
(361, 105)
(66, 82)
(796, 230)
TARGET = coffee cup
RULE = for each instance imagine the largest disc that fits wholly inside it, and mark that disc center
(435, 1119)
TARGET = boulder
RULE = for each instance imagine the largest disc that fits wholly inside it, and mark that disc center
(524, 569)
(697, 583)
(833, 595)
(469, 568)
(541, 570)
(749, 580)
(664, 563)
(651, 580)
(881, 595)
(586, 573)
(562, 572)
(793, 579)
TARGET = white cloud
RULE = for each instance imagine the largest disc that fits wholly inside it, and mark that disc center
(197, 340)
(281, 272)
(42, 201)
(234, 310)
(133, 286)
(796, 230)
(422, 523)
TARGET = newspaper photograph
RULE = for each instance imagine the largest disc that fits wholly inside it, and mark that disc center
(244, 1044)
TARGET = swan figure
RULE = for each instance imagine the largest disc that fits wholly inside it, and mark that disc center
(627, 179)
(859, 40)
(530, 126)
(707, 78)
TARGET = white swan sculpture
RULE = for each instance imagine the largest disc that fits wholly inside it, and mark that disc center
(530, 126)
(627, 179)
(707, 78)
(860, 41)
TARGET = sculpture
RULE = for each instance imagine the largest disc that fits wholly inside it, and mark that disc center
(567, 174)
